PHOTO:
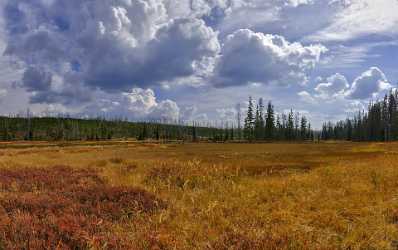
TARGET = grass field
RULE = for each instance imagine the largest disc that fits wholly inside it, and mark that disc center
(129, 195)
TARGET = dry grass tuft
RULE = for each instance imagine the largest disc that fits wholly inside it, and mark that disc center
(116, 160)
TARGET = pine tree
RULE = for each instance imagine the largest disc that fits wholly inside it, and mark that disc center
(349, 129)
(284, 127)
(290, 126)
(279, 129)
(324, 133)
(194, 133)
(157, 133)
(296, 126)
(303, 128)
(309, 132)
(257, 124)
(261, 117)
(249, 121)
(270, 122)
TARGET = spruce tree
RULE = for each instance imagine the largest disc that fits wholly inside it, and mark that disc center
(249, 121)
(309, 132)
(290, 126)
(279, 132)
(262, 120)
(194, 133)
(257, 124)
(270, 122)
(303, 128)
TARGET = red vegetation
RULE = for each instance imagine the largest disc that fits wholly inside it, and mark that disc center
(64, 208)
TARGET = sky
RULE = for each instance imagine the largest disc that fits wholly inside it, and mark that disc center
(195, 60)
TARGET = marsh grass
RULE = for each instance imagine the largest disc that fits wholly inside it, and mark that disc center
(204, 196)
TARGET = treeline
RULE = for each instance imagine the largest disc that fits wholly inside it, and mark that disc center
(378, 123)
(261, 123)
(70, 129)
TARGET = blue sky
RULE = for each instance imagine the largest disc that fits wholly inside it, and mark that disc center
(195, 60)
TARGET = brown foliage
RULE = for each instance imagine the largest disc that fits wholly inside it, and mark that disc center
(63, 208)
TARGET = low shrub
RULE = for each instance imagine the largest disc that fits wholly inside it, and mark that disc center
(64, 208)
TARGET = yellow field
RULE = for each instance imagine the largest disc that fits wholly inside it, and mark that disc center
(235, 196)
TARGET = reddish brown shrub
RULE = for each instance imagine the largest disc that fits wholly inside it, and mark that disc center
(63, 208)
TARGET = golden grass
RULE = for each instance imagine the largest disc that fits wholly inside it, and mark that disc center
(243, 196)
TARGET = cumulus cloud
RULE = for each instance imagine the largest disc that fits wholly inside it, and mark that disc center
(307, 97)
(110, 45)
(249, 57)
(137, 104)
(175, 52)
(48, 88)
(368, 84)
(165, 111)
(70, 47)
(335, 85)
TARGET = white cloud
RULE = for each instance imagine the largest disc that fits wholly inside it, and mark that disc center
(111, 45)
(139, 100)
(335, 85)
(296, 3)
(165, 111)
(355, 106)
(369, 84)
(137, 104)
(307, 97)
(360, 18)
(340, 99)
(249, 57)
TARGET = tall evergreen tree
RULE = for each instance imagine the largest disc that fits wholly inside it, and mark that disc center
(270, 122)
(279, 129)
(303, 128)
(379, 123)
(290, 126)
(261, 125)
(249, 121)
(309, 132)
(257, 124)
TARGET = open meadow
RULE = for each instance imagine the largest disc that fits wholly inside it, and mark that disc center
(130, 195)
